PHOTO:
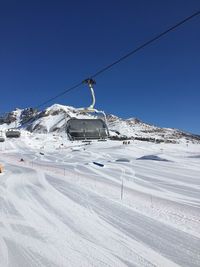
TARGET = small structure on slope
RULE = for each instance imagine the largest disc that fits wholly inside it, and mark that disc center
(2, 139)
(13, 133)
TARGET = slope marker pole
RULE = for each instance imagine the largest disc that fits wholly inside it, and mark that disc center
(122, 189)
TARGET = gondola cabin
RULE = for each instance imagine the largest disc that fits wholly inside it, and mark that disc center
(86, 129)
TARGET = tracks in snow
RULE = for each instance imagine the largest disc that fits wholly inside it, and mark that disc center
(48, 219)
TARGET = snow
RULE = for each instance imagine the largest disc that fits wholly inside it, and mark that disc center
(54, 119)
(59, 209)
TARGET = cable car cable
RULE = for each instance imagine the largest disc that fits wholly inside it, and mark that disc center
(145, 44)
(123, 58)
(59, 95)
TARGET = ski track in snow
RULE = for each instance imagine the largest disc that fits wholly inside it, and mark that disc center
(59, 209)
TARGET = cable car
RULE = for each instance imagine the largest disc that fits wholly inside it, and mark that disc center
(2, 139)
(88, 129)
(13, 133)
(83, 129)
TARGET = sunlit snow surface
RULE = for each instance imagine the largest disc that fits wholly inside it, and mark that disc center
(57, 208)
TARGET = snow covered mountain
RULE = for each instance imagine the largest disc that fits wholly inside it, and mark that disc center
(99, 204)
(54, 119)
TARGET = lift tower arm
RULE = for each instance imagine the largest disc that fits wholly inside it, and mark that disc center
(90, 83)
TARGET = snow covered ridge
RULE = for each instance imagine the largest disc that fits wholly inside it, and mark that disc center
(55, 117)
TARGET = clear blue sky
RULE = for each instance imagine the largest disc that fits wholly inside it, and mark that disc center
(47, 46)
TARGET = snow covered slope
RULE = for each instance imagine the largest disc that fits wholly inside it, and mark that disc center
(54, 119)
(58, 209)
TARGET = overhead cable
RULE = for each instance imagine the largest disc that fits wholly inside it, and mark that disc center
(135, 50)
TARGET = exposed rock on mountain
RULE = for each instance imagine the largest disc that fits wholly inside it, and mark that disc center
(55, 118)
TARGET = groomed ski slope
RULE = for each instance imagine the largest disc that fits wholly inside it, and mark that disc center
(57, 208)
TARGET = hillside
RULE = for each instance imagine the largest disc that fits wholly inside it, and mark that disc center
(54, 119)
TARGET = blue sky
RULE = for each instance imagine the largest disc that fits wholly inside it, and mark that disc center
(47, 46)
